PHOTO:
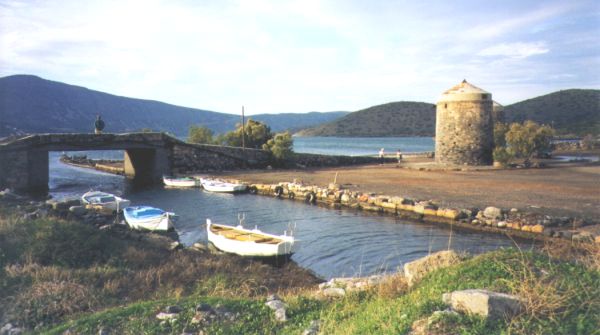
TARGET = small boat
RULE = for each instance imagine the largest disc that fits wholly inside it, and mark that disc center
(249, 242)
(105, 200)
(213, 185)
(180, 182)
(149, 218)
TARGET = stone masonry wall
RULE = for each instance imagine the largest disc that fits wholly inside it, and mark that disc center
(464, 132)
(202, 158)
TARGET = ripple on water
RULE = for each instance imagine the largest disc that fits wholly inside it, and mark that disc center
(333, 242)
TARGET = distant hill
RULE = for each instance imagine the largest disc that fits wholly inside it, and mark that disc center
(403, 118)
(295, 121)
(29, 104)
(574, 111)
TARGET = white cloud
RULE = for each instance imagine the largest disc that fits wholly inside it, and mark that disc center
(515, 50)
(285, 56)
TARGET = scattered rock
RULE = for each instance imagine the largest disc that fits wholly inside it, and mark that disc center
(274, 303)
(166, 316)
(484, 303)
(334, 292)
(78, 210)
(199, 247)
(175, 245)
(492, 213)
(313, 328)
(415, 270)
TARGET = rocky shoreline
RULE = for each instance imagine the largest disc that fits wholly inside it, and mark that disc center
(114, 166)
(512, 222)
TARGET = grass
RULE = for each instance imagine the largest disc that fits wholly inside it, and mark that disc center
(51, 270)
(60, 275)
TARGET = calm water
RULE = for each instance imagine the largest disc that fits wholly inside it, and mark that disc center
(334, 242)
(361, 146)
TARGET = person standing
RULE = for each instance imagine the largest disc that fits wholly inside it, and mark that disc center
(399, 156)
(381, 156)
(98, 125)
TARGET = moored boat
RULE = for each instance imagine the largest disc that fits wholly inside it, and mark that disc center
(180, 181)
(105, 200)
(214, 185)
(148, 218)
(249, 242)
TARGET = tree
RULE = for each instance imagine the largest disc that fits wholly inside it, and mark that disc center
(200, 135)
(500, 130)
(281, 146)
(256, 134)
(529, 139)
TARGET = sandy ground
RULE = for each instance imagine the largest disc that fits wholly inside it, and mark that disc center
(571, 189)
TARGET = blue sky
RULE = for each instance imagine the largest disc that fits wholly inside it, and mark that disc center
(304, 55)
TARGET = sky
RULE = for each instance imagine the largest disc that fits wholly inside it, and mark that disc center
(303, 55)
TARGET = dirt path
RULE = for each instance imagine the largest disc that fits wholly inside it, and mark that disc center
(562, 189)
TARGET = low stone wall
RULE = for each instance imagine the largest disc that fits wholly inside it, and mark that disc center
(491, 219)
(189, 158)
(313, 160)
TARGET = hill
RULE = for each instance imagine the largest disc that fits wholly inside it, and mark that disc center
(571, 112)
(403, 118)
(29, 104)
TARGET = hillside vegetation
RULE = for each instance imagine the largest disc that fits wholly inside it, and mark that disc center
(29, 104)
(403, 118)
(570, 112)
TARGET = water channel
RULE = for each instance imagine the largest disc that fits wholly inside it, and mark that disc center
(333, 242)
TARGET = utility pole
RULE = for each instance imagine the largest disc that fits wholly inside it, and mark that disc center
(243, 131)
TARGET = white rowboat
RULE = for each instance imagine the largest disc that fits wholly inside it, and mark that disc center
(148, 218)
(180, 182)
(221, 186)
(249, 242)
(105, 200)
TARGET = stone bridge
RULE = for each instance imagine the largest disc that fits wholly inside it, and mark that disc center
(148, 156)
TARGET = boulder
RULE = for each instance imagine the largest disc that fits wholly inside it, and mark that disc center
(313, 328)
(492, 213)
(78, 210)
(415, 270)
(334, 292)
(278, 306)
(484, 303)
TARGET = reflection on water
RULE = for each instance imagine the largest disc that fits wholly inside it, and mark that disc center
(333, 242)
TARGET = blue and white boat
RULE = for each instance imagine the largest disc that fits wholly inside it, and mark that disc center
(148, 218)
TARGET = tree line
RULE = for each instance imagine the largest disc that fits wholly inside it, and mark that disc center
(253, 134)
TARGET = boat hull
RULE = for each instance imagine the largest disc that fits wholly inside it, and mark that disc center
(162, 222)
(285, 248)
(180, 182)
(218, 186)
(96, 198)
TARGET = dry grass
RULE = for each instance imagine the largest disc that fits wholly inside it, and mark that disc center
(392, 287)
(584, 253)
(43, 279)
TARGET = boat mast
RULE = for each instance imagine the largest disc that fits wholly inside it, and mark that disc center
(243, 131)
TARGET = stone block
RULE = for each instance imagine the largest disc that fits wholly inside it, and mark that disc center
(415, 270)
(492, 213)
(484, 303)
(538, 228)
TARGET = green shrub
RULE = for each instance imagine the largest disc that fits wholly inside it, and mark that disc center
(200, 135)
(529, 139)
(281, 146)
(502, 156)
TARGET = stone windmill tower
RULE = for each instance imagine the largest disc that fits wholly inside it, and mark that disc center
(464, 130)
